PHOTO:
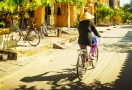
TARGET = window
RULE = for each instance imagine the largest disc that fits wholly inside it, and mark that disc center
(31, 13)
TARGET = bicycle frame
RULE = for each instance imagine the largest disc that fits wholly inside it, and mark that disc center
(83, 59)
(24, 34)
(44, 29)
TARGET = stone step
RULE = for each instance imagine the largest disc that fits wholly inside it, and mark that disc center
(27, 50)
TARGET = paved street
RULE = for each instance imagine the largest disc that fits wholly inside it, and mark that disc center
(55, 69)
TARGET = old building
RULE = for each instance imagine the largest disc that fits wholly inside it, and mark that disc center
(62, 15)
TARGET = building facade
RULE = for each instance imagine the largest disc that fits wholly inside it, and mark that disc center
(55, 16)
(60, 14)
(114, 3)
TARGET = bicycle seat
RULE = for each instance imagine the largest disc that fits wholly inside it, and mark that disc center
(84, 50)
(42, 24)
(28, 26)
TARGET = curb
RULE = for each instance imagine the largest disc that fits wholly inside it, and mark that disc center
(31, 51)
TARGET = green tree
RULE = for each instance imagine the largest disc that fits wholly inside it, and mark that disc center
(127, 12)
(103, 12)
(8, 7)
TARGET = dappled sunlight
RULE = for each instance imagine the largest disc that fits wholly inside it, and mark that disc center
(121, 47)
(126, 26)
(25, 87)
(113, 71)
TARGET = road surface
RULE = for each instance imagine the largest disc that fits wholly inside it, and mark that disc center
(55, 69)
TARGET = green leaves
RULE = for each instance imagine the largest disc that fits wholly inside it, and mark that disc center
(76, 3)
(34, 4)
(18, 2)
(79, 3)
(13, 7)
(106, 14)
(45, 2)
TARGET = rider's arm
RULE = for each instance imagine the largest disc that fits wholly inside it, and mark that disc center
(95, 30)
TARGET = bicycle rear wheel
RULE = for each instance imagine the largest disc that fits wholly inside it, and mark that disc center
(33, 37)
(80, 66)
(94, 62)
(40, 33)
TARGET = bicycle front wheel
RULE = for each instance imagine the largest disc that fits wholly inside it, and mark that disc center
(80, 66)
(44, 31)
(33, 37)
(18, 35)
(94, 62)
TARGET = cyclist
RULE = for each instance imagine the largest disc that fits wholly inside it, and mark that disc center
(85, 29)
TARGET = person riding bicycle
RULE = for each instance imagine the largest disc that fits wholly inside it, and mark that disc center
(85, 29)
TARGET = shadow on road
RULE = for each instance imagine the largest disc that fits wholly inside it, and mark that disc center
(125, 26)
(24, 87)
(66, 79)
(62, 80)
(124, 45)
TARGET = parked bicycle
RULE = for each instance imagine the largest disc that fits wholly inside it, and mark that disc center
(28, 34)
(83, 62)
(43, 30)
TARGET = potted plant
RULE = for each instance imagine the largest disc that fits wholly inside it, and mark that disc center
(4, 30)
(1, 29)
(2, 23)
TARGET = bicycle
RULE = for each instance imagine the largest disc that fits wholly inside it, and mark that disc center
(83, 62)
(43, 30)
(30, 35)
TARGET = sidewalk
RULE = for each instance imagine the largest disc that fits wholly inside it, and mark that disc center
(26, 53)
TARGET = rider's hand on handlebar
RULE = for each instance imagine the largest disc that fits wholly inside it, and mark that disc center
(99, 36)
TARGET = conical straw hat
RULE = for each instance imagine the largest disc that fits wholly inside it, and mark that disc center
(86, 16)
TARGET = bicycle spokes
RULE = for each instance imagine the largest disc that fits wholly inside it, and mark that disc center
(81, 66)
(33, 38)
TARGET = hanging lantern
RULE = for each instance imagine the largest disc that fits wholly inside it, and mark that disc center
(49, 10)
(58, 8)
(59, 11)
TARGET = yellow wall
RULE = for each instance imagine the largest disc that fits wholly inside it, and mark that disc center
(104, 1)
(39, 14)
(81, 11)
(61, 20)
(90, 9)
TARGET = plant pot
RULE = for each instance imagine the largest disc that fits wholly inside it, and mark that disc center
(4, 57)
(12, 56)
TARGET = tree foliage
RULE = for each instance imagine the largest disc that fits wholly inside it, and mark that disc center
(108, 14)
(11, 7)
(127, 12)
(103, 12)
